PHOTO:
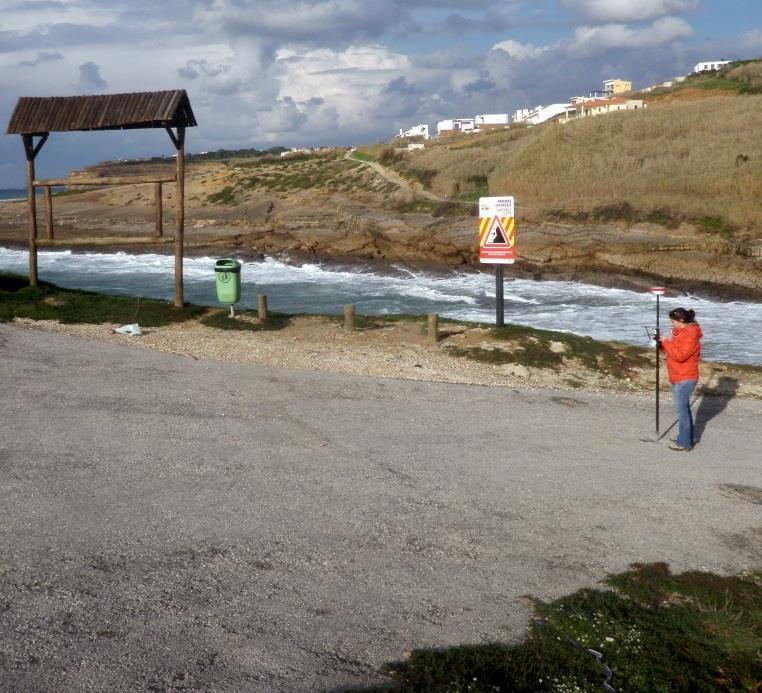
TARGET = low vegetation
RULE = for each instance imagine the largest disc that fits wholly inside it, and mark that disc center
(680, 160)
(536, 348)
(646, 630)
(48, 302)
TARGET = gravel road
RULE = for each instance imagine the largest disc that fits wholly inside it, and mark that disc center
(172, 523)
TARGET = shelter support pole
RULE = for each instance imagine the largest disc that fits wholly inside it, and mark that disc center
(48, 212)
(179, 142)
(159, 210)
(31, 151)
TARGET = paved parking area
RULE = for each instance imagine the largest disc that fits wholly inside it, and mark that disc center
(172, 523)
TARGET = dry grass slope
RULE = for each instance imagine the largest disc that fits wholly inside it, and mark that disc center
(698, 160)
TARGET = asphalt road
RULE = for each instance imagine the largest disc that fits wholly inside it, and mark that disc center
(179, 524)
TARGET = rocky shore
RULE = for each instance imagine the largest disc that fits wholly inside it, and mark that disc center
(371, 228)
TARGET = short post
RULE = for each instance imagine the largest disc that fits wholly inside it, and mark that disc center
(262, 306)
(349, 317)
(433, 328)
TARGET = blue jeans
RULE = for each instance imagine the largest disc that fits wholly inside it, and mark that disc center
(681, 398)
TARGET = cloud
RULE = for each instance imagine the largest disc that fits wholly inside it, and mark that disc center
(311, 22)
(42, 57)
(629, 10)
(600, 39)
(90, 78)
(520, 51)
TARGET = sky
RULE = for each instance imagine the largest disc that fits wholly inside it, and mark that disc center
(261, 73)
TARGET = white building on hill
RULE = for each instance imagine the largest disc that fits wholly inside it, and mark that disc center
(710, 65)
(421, 130)
(453, 126)
(491, 120)
(541, 114)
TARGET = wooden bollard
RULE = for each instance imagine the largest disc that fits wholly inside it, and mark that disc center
(433, 328)
(262, 306)
(349, 317)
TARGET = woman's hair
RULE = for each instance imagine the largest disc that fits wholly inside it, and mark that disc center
(683, 315)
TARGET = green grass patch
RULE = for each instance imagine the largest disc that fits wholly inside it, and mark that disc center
(655, 631)
(362, 156)
(221, 320)
(48, 302)
(226, 196)
(715, 225)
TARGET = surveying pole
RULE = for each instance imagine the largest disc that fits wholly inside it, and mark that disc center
(657, 291)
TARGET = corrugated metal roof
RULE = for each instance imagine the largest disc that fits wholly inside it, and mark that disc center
(147, 109)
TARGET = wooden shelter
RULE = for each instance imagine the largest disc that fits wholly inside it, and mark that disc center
(37, 117)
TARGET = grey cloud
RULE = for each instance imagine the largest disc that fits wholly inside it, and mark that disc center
(311, 21)
(401, 87)
(627, 10)
(90, 77)
(42, 57)
(195, 68)
(36, 5)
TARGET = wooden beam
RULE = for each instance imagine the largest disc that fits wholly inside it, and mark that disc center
(117, 180)
(116, 240)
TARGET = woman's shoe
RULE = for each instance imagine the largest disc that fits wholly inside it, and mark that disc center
(674, 446)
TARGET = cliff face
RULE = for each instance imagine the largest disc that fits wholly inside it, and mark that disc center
(385, 224)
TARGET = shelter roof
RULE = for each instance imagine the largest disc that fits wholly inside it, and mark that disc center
(147, 109)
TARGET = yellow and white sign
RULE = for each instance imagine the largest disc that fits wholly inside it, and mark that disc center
(497, 231)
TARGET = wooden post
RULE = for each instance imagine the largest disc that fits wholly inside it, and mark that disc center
(349, 317)
(48, 211)
(179, 215)
(31, 152)
(262, 306)
(159, 209)
(433, 328)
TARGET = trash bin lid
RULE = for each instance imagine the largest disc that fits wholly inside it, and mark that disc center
(227, 265)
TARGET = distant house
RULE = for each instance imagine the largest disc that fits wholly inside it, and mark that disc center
(491, 120)
(542, 114)
(710, 65)
(616, 87)
(421, 130)
(596, 107)
(453, 126)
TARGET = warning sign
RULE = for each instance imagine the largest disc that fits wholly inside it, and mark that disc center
(497, 233)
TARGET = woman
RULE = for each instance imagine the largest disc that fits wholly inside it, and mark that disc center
(683, 352)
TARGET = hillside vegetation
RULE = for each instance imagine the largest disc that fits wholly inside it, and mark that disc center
(696, 160)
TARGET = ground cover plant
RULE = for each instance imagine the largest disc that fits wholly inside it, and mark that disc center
(538, 348)
(647, 630)
(244, 321)
(49, 302)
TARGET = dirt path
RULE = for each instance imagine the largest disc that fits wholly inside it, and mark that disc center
(416, 188)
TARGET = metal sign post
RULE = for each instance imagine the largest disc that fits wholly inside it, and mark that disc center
(497, 242)
(657, 291)
(499, 318)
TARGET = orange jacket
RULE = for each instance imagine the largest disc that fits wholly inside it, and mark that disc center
(683, 353)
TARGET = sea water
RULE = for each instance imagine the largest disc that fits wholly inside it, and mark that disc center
(731, 328)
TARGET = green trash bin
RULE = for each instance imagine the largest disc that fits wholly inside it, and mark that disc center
(228, 275)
